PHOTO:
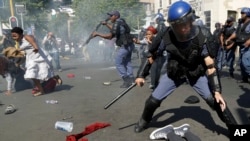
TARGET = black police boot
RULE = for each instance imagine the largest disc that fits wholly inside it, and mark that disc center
(126, 82)
(131, 80)
(150, 106)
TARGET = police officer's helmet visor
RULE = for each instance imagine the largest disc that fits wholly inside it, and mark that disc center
(184, 29)
(184, 19)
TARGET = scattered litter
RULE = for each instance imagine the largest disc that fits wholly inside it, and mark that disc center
(10, 109)
(107, 83)
(69, 117)
(87, 77)
(64, 126)
(70, 75)
(51, 101)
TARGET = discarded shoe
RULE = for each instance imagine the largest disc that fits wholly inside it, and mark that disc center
(10, 109)
(181, 130)
(161, 133)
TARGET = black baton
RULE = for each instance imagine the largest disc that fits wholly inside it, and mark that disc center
(120, 95)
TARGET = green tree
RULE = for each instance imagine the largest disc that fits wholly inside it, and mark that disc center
(90, 12)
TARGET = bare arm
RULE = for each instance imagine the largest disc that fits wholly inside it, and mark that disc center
(109, 26)
(105, 36)
(233, 36)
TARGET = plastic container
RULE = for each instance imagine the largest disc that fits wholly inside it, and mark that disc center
(64, 126)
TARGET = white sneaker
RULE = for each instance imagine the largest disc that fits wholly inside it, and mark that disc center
(161, 133)
(181, 130)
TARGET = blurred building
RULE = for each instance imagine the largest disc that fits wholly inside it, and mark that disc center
(210, 11)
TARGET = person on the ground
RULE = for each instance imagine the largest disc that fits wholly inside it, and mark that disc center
(120, 30)
(191, 57)
(38, 63)
(171, 133)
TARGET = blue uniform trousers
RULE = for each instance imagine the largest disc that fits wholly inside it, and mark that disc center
(167, 86)
(123, 61)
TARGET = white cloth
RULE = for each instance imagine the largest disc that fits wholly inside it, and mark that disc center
(38, 65)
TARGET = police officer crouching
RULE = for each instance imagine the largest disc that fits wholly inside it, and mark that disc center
(190, 56)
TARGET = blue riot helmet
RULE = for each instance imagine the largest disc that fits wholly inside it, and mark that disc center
(246, 11)
(198, 22)
(159, 17)
(180, 18)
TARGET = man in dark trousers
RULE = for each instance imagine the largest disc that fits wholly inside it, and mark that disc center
(190, 57)
(121, 31)
(157, 56)
(229, 48)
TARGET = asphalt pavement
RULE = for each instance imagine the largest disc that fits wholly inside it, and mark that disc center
(81, 100)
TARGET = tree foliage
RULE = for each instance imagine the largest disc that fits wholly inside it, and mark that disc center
(90, 12)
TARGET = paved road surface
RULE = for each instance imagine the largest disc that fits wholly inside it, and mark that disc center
(84, 100)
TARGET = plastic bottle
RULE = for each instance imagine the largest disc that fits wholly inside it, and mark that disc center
(51, 101)
(87, 77)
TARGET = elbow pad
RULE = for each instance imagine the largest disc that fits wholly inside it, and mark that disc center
(144, 69)
(214, 82)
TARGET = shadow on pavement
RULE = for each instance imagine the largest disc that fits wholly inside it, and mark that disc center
(244, 99)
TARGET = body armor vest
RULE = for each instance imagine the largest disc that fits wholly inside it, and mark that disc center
(241, 34)
(228, 32)
(124, 38)
(187, 61)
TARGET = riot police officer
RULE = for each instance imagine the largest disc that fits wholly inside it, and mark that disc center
(191, 57)
(121, 31)
(242, 37)
(230, 48)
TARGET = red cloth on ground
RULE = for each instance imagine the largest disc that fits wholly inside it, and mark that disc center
(89, 129)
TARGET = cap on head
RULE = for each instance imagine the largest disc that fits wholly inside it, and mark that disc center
(116, 13)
